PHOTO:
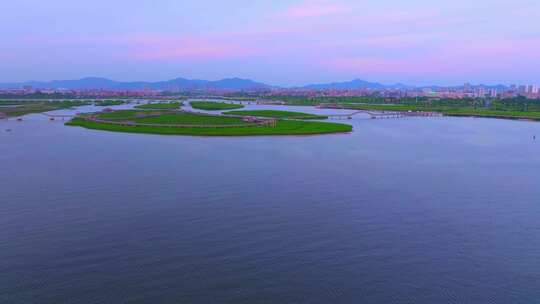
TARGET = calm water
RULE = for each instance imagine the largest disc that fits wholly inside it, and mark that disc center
(442, 210)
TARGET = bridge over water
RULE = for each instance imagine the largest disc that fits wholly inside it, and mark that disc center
(377, 114)
(385, 114)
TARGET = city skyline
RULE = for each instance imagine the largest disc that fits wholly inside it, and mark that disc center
(104, 88)
(283, 43)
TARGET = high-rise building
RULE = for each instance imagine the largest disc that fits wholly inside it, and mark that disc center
(467, 87)
(481, 92)
(535, 89)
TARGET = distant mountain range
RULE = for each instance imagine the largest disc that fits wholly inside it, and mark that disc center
(354, 84)
(362, 84)
(237, 84)
(107, 84)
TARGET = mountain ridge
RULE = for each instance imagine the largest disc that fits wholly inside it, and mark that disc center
(233, 83)
(105, 83)
(354, 84)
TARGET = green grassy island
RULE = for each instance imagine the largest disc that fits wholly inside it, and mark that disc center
(214, 106)
(188, 123)
(161, 106)
(277, 114)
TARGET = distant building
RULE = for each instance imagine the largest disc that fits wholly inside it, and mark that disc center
(481, 92)
(467, 88)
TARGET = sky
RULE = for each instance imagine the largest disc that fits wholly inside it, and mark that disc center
(279, 42)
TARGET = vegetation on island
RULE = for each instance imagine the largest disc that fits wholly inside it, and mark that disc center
(276, 114)
(188, 123)
(109, 102)
(14, 108)
(161, 106)
(169, 117)
(214, 106)
(509, 108)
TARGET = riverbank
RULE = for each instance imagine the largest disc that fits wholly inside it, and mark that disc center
(15, 109)
(448, 111)
(495, 114)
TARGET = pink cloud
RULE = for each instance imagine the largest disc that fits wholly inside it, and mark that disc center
(160, 47)
(449, 58)
(400, 41)
(312, 9)
(495, 49)
(359, 16)
(374, 65)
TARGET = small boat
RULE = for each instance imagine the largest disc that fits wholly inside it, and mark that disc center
(8, 130)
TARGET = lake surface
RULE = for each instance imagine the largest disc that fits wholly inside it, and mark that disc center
(437, 210)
